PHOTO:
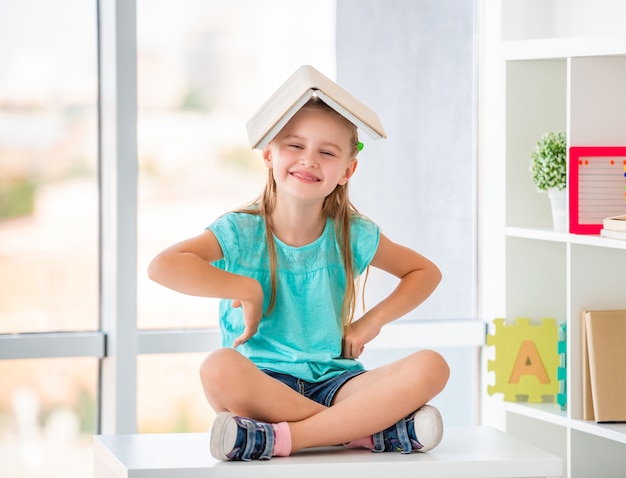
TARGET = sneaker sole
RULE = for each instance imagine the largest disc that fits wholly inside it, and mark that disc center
(429, 419)
(223, 435)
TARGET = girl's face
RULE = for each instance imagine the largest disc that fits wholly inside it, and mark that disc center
(311, 155)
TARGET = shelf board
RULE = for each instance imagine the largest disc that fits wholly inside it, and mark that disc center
(552, 413)
(546, 412)
(594, 240)
(557, 48)
(611, 431)
(545, 234)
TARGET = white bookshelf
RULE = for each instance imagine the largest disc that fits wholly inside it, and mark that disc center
(558, 65)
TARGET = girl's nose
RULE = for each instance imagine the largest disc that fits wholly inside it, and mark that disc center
(307, 159)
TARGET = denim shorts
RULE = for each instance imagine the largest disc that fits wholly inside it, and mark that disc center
(322, 392)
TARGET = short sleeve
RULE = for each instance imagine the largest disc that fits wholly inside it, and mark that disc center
(226, 232)
(365, 237)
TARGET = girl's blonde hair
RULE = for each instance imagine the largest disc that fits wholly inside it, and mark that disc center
(336, 206)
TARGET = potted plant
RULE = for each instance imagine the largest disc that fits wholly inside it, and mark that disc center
(549, 173)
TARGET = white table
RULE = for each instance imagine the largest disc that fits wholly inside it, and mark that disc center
(465, 452)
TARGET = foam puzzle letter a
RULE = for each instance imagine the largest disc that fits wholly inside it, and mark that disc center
(526, 360)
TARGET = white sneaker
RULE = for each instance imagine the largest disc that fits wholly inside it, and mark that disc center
(428, 427)
(421, 431)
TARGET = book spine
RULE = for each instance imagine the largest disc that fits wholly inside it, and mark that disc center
(613, 234)
(617, 223)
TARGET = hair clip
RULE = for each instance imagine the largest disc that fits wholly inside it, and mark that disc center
(359, 146)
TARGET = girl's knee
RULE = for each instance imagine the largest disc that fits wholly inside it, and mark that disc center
(435, 366)
(217, 367)
(225, 375)
(436, 360)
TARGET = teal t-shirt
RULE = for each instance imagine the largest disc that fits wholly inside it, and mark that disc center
(302, 336)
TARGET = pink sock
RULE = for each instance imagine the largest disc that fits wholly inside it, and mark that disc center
(365, 442)
(282, 439)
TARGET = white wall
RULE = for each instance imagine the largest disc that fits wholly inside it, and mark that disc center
(414, 64)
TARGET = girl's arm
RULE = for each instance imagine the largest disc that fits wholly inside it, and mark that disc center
(186, 267)
(418, 279)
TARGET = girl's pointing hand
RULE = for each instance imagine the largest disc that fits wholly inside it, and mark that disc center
(252, 314)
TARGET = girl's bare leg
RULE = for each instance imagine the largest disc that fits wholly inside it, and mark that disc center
(363, 406)
(373, 401)
(232, 383)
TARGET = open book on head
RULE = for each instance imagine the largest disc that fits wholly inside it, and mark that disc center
(294, 93)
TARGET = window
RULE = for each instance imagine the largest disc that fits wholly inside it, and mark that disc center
(169, 394)
(47, 417)
(48, 231)
(48, 167)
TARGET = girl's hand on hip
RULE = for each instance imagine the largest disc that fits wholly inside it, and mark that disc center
(356, 335)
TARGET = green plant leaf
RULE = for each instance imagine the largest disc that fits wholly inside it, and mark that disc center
(548, 165)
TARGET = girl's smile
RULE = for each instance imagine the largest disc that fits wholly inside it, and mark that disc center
(304, 176)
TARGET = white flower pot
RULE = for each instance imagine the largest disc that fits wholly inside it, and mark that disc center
(558, 201)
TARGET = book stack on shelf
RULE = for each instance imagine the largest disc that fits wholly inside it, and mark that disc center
(603, 335)
(614, 227)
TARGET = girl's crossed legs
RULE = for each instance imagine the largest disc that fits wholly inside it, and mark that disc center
(363, 406)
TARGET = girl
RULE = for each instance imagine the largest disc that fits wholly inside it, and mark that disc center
(286, 266)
